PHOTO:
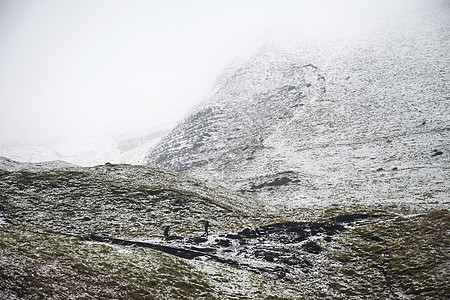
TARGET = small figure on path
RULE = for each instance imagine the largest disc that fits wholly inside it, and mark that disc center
(206, 229)
(166, 233)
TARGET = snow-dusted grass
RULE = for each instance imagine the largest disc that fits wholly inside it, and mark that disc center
(408, 259)
(120, 200)
(37, 262)
(389, 258)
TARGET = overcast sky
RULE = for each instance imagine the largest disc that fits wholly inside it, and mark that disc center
(86, 67)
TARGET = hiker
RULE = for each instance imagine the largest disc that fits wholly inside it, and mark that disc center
(206, 229)
(166, 233)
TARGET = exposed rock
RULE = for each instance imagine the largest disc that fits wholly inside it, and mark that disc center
(277, 245)
(354, 217)
(312, 247)
(197, 240)
(248, 233)
(436, 153)
(375, 237)
(276, 182)
(223, 242)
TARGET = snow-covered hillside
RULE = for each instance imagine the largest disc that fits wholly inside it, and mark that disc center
(363, 119)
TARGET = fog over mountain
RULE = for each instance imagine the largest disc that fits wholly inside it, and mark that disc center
(225, 150)
(83, 70)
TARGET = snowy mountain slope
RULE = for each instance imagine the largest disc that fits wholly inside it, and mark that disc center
(256, 106)
(361, 121)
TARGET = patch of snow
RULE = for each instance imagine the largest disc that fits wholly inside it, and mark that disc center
(118, 248)
(2, 220)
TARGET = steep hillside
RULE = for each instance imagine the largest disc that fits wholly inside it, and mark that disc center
(362, 120)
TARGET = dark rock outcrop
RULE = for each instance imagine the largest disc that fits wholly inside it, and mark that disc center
(276, 245)
(436, 153)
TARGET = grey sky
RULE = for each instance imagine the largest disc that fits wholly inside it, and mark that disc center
(86, 67)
